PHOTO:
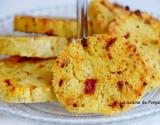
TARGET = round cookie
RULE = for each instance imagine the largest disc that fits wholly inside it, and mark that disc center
(136, 26)
(100, 75)
(37, 46)
(46, 25)
(26, 80)
(133, 29)
(103, 12)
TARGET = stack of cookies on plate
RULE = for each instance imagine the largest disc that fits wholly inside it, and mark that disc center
(98, 74)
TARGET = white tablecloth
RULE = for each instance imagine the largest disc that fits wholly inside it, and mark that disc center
(9, 7)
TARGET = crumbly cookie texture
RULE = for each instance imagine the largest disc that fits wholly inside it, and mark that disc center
(26, 80)
(100, 75)
(99, 17)
(135, 26)
(39, 46)
(103, 12)
(46, 25)
(133, 29)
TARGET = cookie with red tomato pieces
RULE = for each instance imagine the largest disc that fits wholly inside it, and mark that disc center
(103, 12)
(46, 25)
(26, 80)
(147, 38)
(36, 46)
(99, 74)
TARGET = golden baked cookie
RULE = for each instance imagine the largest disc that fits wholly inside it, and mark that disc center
(135, 26)
(44, 25)
(100, 74)
(43, 47)
(99, 17)
(26, 80)
(103, 12)
(133, 29)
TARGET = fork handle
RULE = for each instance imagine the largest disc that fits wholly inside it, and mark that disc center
(82, 18)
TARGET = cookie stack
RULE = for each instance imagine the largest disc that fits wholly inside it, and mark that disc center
(117, 63)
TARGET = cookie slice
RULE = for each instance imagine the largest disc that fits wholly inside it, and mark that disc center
(26, 80)
(46, 25)
(39, 46)
(99, 17)
(103, 12)
(133, 29)
(100, 75)
(135, 26)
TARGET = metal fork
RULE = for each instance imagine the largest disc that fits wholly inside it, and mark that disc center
(82, 18)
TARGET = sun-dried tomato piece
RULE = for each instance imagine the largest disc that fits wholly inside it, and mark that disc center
(8, 82)
(60, 82)
(110, 42)
(138, 13)
(144, 84)
(120, 85)
(114, 104)
(126, 36)
(50, 33)
(90, 86)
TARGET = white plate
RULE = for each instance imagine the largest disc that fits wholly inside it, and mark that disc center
(53, 112)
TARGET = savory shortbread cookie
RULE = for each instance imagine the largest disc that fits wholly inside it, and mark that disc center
(100, 74)
(26, 80)
(135, 26)
(99, 17)
(39, 46)
(46, 25)
(103, 12)
(133, 29)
